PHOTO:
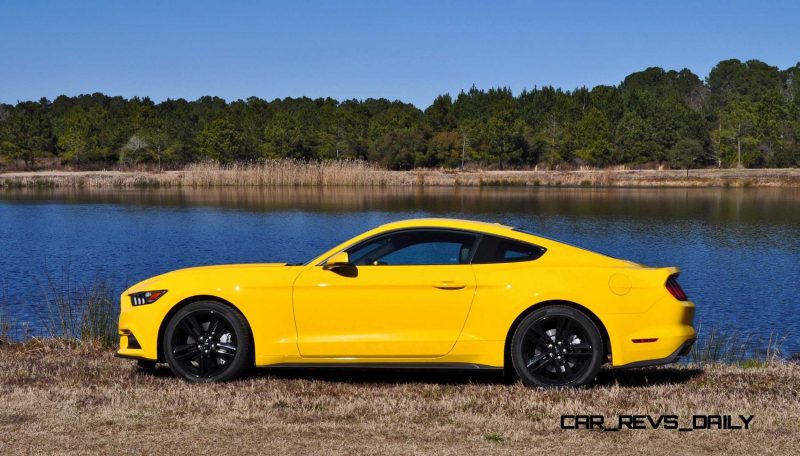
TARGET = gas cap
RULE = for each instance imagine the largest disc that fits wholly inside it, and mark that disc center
(619, 284)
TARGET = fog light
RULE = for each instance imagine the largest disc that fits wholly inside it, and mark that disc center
(132, 342)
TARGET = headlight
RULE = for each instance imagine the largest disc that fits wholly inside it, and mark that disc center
(146, 297)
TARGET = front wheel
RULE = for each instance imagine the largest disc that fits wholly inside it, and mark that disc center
(557, 346)
(207, 342)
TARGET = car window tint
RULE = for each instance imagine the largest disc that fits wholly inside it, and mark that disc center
(362, 253)
(417, 247)
(493, 249)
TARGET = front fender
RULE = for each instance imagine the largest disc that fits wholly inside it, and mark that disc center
(262, 295)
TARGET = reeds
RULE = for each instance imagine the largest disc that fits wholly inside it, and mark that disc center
(86, 314)
(6, 323)
(718, 346)
(289, 172)
(5, 328)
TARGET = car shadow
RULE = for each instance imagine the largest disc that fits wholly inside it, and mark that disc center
(385, 375)
(639, 377)
(647, 376)
(644, 376)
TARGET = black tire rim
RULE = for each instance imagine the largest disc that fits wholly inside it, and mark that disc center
(204, 343)
(556, 350)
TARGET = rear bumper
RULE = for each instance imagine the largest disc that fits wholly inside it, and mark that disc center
(683, 350)
(658, 336)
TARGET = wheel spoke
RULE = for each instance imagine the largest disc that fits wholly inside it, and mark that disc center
(566, 329)
(559, 333)
(538, 362)
(212, 327)
(582, 350)
(186, 351)
(192, 327)
(560, 372)
(580, 354)
(541, 338)
(204, 363)
(224, 353)
(534, 360)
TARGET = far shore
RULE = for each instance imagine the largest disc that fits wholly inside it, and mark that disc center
(362, 174)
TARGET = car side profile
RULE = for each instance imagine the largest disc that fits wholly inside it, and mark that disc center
(415, 293)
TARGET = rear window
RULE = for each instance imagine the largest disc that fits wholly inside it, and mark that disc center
(493, 249)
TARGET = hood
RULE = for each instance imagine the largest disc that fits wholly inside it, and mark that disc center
(156, 281)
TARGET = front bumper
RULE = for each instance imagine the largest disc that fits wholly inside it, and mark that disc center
(138, 334)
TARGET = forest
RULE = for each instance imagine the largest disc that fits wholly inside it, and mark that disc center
(743, 114)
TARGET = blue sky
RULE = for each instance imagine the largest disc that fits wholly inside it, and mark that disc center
(409, 50)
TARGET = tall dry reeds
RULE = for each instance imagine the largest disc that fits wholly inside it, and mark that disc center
(718, 346)
(289, 172)
(87, 313)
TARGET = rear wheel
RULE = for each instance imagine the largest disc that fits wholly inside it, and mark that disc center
(557, 346)
(207, 342)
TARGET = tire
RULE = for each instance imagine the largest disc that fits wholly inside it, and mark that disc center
(557, 346)
(207, 342)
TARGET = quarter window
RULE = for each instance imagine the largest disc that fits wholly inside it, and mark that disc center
(493, 249)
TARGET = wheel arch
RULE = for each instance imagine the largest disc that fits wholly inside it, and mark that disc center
(192, 299)
(555, 302)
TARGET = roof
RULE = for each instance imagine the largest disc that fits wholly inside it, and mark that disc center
(472, 225)
(445, 222)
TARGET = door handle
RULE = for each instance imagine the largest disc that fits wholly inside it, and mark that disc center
(449, 285)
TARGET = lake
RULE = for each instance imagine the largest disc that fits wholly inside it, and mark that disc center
(738, 248)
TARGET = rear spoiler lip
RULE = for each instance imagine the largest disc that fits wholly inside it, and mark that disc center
(671, 271)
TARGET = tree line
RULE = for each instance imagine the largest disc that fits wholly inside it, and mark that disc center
(742, 114)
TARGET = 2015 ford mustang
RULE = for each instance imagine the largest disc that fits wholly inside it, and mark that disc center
(415, 293)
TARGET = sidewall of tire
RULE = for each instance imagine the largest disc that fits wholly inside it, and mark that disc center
(593, 333)
(242, 334)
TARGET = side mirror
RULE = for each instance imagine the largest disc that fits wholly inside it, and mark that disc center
(340, 260)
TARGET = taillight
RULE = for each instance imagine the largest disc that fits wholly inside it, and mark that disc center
(675, 289)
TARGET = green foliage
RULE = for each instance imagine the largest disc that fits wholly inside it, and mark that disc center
(220, 140)
(26, 133)
(592, 134)
(744, 113)
(685, 153)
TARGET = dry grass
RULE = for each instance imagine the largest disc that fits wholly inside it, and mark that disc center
(357, 173)
(75, 398)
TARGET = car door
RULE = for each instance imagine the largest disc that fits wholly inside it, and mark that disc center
(406, 295)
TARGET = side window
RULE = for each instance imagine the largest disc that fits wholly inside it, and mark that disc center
(415, 247)
(493, 249)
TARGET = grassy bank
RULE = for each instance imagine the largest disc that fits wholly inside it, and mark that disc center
(350, 173)
(68, 397)
(66, 393)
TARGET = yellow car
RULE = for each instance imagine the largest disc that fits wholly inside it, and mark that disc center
(415, 293)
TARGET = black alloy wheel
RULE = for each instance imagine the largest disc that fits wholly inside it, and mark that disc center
(207, 342)
(557, 346)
